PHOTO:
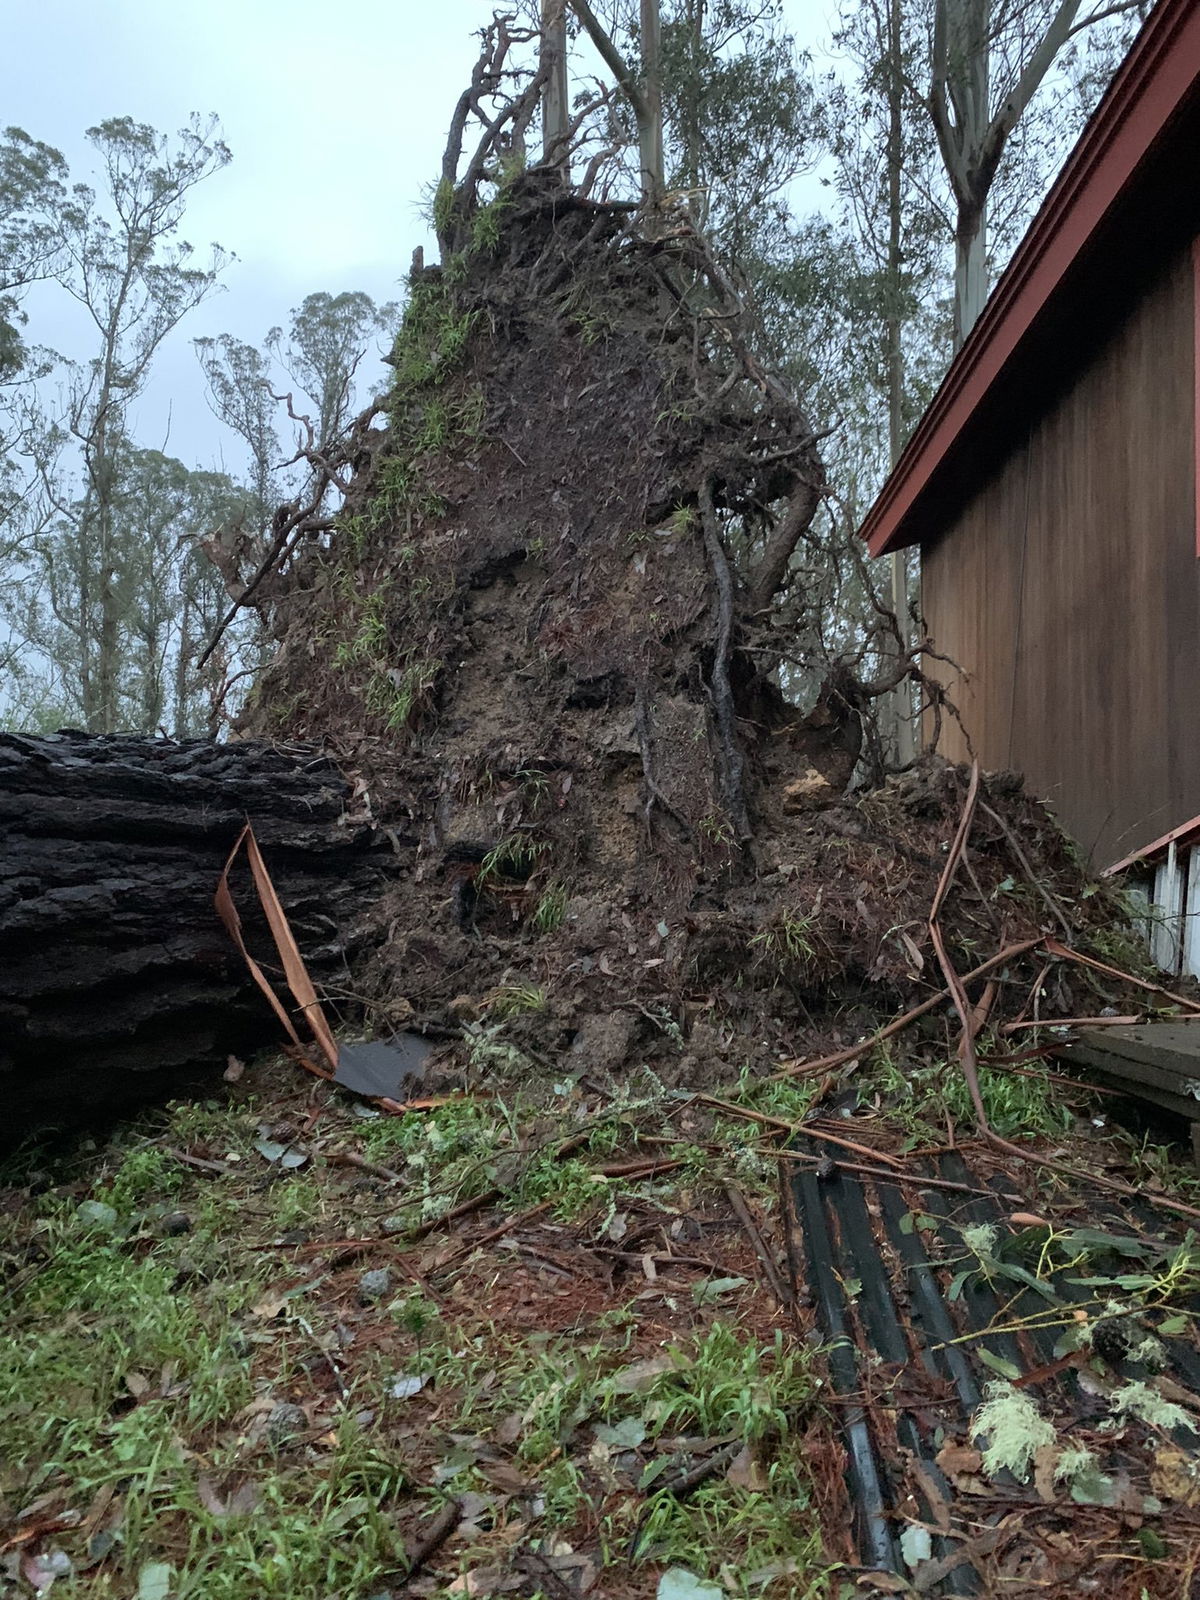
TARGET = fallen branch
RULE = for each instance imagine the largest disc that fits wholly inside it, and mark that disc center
(1070, 1022)
(219, 1168)
(724, 711)
(885, 1175)
(347, 1158)
(1054, 948)
(434, 1537)
(770, 1266)
(797, 1129)
(800, 1068)
(517, 1220)
(968, 1058)
(684, 1484)
(489, 1197)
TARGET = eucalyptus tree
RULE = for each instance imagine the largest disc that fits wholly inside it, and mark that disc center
(165, 597)
(640, 79)
(33, 193)
(33, 179)
(124, 263)
(987, 60)
(327, 338)
(240, 381)
(743, 120)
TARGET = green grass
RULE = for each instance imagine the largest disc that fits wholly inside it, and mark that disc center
(129, 1362)
(139, 1367)
(550, 910)
(511, 999)
(919, 1098)
(105, 1305)
(764, 1534)
(514, 857)
(720, 1382)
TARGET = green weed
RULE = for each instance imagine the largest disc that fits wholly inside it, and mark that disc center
(513, 858)
(786, 941)
(728, 1383)
(550, 910)
(742, 1537)
(921, 1096)
(511, 999)
(399, 697)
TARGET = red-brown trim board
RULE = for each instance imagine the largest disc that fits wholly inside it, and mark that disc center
(1161, 72)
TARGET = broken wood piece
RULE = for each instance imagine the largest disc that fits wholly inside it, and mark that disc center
(1070, 1022)
(219, 1168)
(1157, 1062)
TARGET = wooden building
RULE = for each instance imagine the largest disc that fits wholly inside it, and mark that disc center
(1052, 483)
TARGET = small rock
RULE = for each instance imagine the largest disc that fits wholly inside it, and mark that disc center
(284, 1422)
(396, 1223)
(463, 1008)
(374, 1285)
(176, 1222)
(96, 1214)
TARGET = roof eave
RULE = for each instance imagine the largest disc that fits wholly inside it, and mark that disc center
(1160, 73)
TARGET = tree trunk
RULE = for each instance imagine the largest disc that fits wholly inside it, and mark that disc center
(898, 711)
(970, 270)
(650, 126)
(117, 979)
(555, 96)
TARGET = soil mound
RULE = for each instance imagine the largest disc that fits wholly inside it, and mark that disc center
(542, 636)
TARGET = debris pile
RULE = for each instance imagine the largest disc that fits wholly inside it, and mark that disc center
(541, 639)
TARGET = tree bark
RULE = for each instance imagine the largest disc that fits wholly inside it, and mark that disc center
(645, 96)
(117, 980)
(650, 127)
(555, 95)
(970, 270)
(899, 710)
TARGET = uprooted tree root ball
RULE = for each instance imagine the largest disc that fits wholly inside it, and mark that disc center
(546, 633)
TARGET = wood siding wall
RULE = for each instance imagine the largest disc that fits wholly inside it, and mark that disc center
(1068, 589)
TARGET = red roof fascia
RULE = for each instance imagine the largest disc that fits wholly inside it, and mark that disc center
(1185, 833)
(1161, 70)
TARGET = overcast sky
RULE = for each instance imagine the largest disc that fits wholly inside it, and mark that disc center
(336, 116)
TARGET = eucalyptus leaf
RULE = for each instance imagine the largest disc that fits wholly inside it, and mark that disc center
(915, 1546)
(154, 1581)
(710, 1289)
(677, 1583)
(1006, 1369)
(626, 1434)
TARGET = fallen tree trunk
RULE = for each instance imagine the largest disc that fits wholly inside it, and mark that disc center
(117, 979)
